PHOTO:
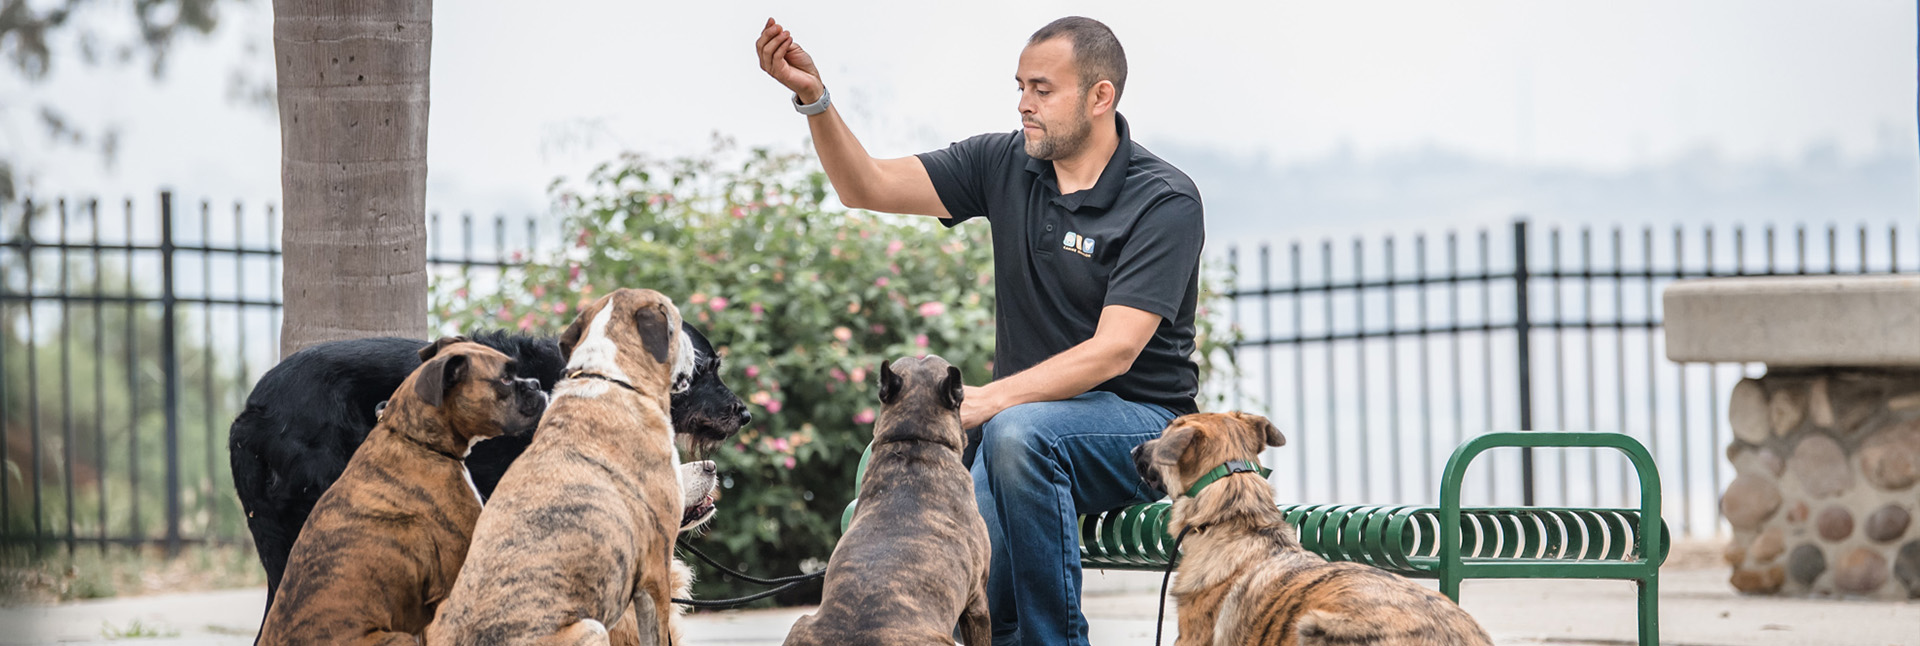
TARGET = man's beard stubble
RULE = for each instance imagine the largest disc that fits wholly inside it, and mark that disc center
(1053, 146)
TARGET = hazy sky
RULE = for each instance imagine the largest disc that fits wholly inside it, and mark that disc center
(523, 95)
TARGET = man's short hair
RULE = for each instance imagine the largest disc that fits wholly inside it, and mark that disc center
(1095, 51)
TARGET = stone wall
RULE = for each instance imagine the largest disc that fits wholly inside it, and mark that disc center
(1824, 495)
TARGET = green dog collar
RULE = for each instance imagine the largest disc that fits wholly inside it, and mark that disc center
(1224, 470)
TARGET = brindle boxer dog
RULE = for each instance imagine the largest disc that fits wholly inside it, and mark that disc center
(914, 561)
(584, 522)
(386, 541)
(1245, 579)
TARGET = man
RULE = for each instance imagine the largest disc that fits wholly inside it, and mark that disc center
(1096, 246)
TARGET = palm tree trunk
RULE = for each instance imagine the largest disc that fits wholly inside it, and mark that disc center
(353, 167)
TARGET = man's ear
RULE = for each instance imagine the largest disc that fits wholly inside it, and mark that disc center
(954, 390)
(656, 335)
(438, 377)
(1264, 426)
(889, 383)
(438, 345)
(1101, 97)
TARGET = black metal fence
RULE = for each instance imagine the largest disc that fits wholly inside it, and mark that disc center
(1378, 361)
(130, 335)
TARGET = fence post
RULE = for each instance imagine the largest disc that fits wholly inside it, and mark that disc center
(1523, 333)
(170, 371)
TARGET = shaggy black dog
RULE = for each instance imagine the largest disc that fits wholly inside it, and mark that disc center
(306, 416)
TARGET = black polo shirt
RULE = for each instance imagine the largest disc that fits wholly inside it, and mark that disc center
(1132, 239)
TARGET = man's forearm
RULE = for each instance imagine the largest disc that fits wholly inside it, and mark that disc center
(847, 163)
(1063, 376)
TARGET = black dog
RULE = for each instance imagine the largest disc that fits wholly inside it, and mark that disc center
(307, 415)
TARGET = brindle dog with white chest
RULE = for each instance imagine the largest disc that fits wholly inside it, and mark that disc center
(1244, 577)
(580, 531)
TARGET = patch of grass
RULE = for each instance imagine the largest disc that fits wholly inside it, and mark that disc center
(56, 575)
(138, 630)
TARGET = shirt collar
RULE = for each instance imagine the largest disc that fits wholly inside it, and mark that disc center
(1106, 190)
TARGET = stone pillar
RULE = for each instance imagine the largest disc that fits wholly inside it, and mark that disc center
(1826, 449)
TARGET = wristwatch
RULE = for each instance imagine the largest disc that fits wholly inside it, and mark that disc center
(818, 106)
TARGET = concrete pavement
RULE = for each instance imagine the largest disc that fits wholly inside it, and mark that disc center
(1697, 609)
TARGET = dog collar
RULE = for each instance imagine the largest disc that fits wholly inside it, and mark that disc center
(582, 374)
(1230, 468)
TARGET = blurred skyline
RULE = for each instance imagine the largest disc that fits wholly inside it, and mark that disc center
(1293, 117)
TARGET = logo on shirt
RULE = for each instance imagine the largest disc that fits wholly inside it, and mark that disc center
(1079, 244)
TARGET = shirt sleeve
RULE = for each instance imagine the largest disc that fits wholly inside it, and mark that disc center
(1161, 258)
(966, 174)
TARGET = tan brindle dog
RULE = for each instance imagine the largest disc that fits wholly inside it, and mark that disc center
(584, 522)
(1245, 579)
(386, 541)
(913, 562)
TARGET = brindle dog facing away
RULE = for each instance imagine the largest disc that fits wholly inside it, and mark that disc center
(1245, 579)
(581, 528)
(387, 540)
(914, 560)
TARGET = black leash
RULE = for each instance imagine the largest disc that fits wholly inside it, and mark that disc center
(786, 583)
(1160, 623)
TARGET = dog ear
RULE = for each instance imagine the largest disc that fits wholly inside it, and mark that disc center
(655, 335)
(1173, 443)
(438, 378)
(954, 390)
(438, 345)
(571, 336)
(1264, 426)
(889, 383)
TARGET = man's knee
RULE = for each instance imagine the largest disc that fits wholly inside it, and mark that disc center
(1018, 434)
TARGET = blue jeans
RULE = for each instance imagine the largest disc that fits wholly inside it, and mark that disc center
(1039, 467)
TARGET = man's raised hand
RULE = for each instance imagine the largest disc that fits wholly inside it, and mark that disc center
(782, 59)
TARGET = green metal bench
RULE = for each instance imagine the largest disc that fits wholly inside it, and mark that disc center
(1448, 542)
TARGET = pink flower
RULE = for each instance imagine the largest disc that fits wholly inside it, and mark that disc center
(505, 315)
(460, 293)
(773, 407)
(739, 213)
(718, 303)
(573, 273)
(583, 237)
(880, 282)
(842, 333)
(755, 308)
(760, 397)
(895, 267)
(753, 372)
(518, 255)
(894, 247)
(656, 199)
(920, 340)
(559, 308)
(865, 416)
(697, 298)
(526, 322)
(780, 444)
(837, 374)
(539, 291)
(932, 309)
(865, 233)
(789, 462)
(878, 328)
(859, 373)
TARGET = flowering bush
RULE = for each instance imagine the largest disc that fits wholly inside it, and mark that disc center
(803, 301)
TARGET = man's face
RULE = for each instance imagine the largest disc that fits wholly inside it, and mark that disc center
(1052, 107)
